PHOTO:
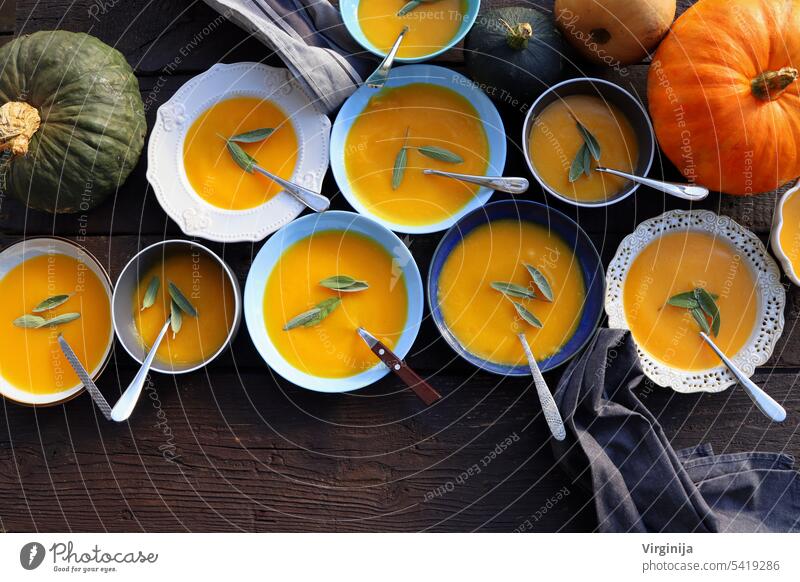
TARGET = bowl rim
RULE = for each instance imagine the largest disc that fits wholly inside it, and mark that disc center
(528, 123)
(270, 253)
(490, 118)
(237, 309)
(354, 28)
(775, 236)
(67, 395)
(768, 283)
(165, 173)
(501, 369)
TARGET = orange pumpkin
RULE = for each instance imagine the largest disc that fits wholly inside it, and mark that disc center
(724, 96)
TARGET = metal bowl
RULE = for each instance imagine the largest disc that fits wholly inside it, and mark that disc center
(122, 314)
(610, 93)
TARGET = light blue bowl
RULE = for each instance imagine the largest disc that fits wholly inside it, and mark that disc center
(492, 125)
(266, 260)
(349, 10)
(573, 235)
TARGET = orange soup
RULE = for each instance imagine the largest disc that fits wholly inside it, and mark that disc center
(332, 348)
(211, 171)
(431, 25)
(679, 262)
(555, 140)
(207, 287)
(484, 321)
(31, 358)
(432, 116)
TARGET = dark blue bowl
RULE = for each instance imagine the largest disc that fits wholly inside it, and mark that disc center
(570, 232)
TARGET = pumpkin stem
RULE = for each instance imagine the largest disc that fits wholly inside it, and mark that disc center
(18, 122)
(518, 35)
(769, 85)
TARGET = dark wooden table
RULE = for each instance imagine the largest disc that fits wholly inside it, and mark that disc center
(235, 448)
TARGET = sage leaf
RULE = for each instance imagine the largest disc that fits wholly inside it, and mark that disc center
(589, 139)
(150, 295)
(527, 315)
(51, 302)
(314, 315)
(440, 154)
(408, 7)
(175, 318)
(180, 300)
(344, 283)
(587, 162)
(540, 281)
(685, 300)
(60, 319)
(29, 321)
(241, 157)
(709, 307)
(700, 318)
(400, 163)
(576, 170)
(513, 290)
(252, 136)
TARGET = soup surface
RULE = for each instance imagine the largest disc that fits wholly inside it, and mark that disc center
(205, 284)
(555, 140)
(678, 262)
(483, 320)
(433, 116)
(431, 25)
(333, 348)
(790, 230)
(214, 175)
(31, 359)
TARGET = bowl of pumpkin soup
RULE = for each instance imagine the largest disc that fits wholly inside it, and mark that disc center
(314, 283)
(51, 287)
(579, 125)
(434, 26)
(687, 271)
(425, 117)
(189, 286)
(248, 108)
(516, 267)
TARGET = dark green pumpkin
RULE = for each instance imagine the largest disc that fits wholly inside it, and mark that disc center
(514, 54)
(92, 120)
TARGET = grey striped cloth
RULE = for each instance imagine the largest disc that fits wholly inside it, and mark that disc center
(310, 38)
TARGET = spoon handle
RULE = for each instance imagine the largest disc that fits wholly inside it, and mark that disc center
(378, 78)
(316, 202)
(127, 402)
(761, 399)
(549, 408)
(499, 183)
(685, 191)
(84, 377)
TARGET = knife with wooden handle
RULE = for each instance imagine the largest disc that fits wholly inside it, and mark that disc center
(420, 387)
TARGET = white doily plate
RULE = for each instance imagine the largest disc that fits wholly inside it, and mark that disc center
(777, 225)
(771, 296)
(165, 170)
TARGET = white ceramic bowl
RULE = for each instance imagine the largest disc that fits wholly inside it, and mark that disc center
(122, 312)
(266, 260)
(771, 296)
(27, 249)
(775, 238)
(399, 76)
(165, 169)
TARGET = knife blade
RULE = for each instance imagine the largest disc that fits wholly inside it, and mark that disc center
(84, 377)
(419, 386)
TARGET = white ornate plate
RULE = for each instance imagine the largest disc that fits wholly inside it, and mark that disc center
(777, 225)
(166, 173)
(771, 296)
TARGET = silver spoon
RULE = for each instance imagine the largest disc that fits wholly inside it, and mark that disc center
(379, 76)
(316, 202)
(549, 408)
(84, 377)
(499, 183)
(127, 402)
(763, 401)
(684, 191)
